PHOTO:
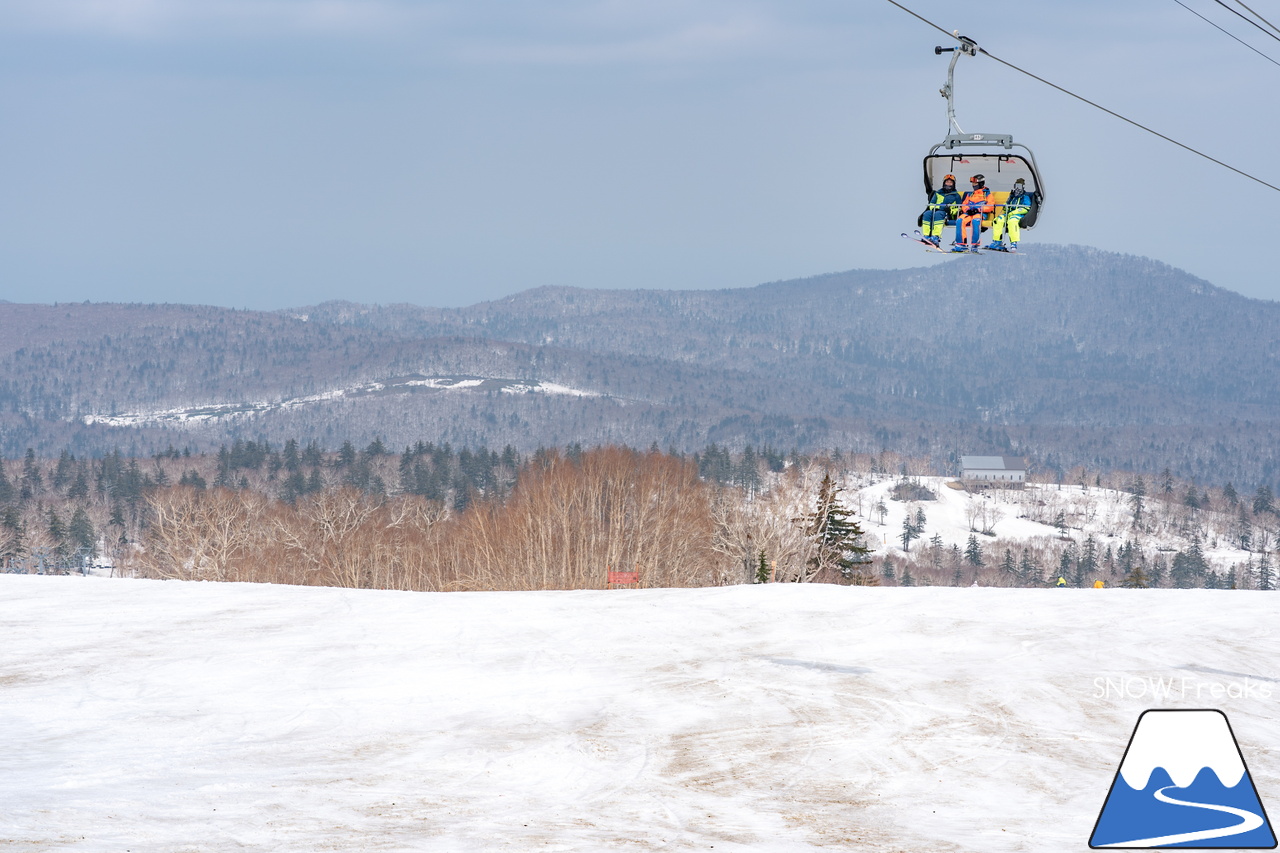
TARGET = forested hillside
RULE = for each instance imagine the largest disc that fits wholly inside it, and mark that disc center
(1064, 354)
(436, 517)
(1058, 335)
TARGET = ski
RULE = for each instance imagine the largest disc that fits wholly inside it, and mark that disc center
(928, 244)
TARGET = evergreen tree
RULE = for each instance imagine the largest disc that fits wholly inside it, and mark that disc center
(62, 471)
(907, 579)
(748, 472)
(1028, 571)
(32, 481)
(290, 456)
(1159, 570)
(1266, 575)
(887, 570)
(1230, 495)
(762, 569)
(1124, 559)
(1189, 567)
(12, 521)
(909, 532)
(1008, 566)
(312, 455)
(191, 478)
(1263, 501)
(1067, 562)
(1087, 565)
(224, 480)
(79, 486)
(837, 539)
(1244, 531)
(973, 552)
(57, 532)
(346, 455)
(7, 492)
(80, 533)
(1136, 578)
(1138, 493)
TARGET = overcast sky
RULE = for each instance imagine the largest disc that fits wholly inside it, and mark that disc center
(274, 153)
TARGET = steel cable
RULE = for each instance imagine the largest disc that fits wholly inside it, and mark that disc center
(1083, 99)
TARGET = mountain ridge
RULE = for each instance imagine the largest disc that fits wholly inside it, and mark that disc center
(1068, 354)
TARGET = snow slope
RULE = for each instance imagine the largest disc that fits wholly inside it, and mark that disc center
(166, 716)
(1020, 517)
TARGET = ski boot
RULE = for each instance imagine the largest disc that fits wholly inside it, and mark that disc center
(936, 241)
(1013, 247)
(996, 246)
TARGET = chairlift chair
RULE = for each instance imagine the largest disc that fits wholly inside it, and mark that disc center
(958, 153)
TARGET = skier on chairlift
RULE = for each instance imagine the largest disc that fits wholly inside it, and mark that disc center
(1017, 206)
(944, 204)
(975, 205)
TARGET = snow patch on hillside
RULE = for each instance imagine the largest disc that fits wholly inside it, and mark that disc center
(1001, 518)
(226, 411)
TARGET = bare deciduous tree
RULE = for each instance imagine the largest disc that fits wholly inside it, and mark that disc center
(198, 535)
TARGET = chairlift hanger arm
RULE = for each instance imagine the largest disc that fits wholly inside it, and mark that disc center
(969, 47)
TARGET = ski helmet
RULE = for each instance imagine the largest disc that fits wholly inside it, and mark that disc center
(978, 179)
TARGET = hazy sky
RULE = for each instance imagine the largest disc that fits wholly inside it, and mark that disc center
(273, 153)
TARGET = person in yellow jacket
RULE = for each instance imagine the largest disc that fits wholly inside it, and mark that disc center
(1018, 205)
(944, 204)
(1062, 581)
(1099, 584)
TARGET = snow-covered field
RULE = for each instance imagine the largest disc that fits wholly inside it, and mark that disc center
(167, 716)
(1020, 517)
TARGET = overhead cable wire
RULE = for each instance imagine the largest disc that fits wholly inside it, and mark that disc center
(926, 20)
(1251, 21)
(1233, 35)
(1259, 17)
(1095, 105)
(1130, 121)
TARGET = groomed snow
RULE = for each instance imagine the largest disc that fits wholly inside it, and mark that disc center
(174, 717)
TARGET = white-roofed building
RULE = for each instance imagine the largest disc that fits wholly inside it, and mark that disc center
(994, 470)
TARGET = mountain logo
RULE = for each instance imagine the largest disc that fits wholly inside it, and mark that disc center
(1183, 783)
